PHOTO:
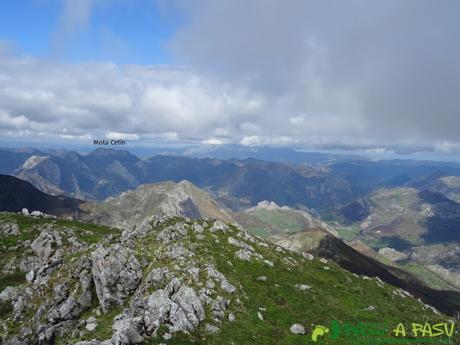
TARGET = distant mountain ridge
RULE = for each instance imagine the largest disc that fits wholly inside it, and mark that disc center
(285, 155)
(316, 181)
(11, 159)
(237, 183)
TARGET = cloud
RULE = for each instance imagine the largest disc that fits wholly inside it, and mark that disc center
(359, 72)
(213, 141)
(447, 147)
(296, 120)
(125, 136)
(310, 74)
(379, 150)
(162, 103)
(75, 15)
(253, 140)
(85, 137)
(8, 121)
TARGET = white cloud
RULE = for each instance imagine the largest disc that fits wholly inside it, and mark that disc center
(170, 104)
(7, 121)
(125, 136)
(253, 140)
(445, 146)
(85, 137)
(213, 141)
(125, 101)
(378, 150)
(296, 120)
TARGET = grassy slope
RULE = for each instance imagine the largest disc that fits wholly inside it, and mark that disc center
(267, 223)
(349, 233)
(430, 278)
(335, 295)
(398, 210)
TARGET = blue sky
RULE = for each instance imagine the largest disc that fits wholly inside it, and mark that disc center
(135, 31)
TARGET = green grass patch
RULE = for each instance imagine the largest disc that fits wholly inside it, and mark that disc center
(259, 231)
(430, 278)
(89, 233)
(12, 279)
(280, 221)
(349, 233)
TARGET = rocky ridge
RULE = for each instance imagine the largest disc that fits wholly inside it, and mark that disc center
(170, 293)
(171, 278)
(166, 199)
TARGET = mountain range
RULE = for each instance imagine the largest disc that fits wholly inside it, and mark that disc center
(315, 183)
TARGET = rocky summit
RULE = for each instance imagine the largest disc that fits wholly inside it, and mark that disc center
(175, 280)
(181, 199)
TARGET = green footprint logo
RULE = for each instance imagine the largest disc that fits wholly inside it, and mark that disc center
(319, 331)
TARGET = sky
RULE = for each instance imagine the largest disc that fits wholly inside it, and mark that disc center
(374, 76)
